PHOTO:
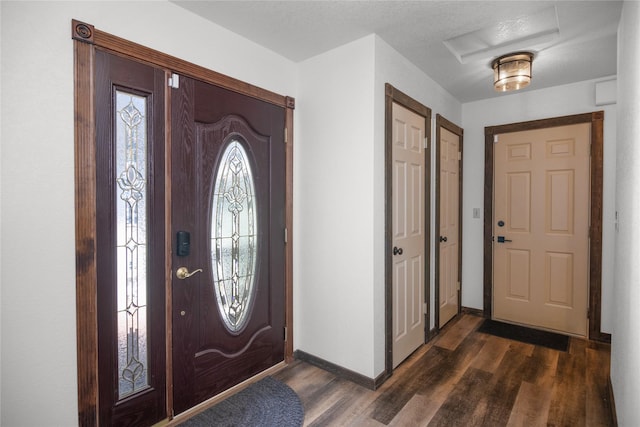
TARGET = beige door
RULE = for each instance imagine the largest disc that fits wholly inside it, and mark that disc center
(540, 228)
(449, 245)
(408, 228)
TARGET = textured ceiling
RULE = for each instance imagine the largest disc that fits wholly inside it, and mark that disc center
(579, 45)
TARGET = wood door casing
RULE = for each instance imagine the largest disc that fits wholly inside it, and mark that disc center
(541, 202)
(408, 199)
(596, 119)
(208, 357)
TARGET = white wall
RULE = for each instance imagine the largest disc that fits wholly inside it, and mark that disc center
(531, 105)
(339, 269)
(333, 215)
(38, 336)
(625, 349)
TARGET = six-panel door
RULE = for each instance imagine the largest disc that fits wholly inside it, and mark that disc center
(541, 228)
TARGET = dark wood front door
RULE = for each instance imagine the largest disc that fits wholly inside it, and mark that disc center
(228, 230)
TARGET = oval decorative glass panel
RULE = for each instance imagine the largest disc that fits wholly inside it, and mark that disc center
(233, 237)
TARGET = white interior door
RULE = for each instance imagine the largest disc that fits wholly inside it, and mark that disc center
(449, 240)
(408, 198)
(541, 228)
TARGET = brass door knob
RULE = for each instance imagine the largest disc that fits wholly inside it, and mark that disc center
(183, 272)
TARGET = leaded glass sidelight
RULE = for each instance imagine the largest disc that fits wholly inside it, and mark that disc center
(131, 230)
(233, 237)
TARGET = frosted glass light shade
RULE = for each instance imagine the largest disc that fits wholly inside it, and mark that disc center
(512, 71)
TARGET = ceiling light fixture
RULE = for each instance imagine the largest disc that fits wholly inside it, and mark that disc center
(512, 71)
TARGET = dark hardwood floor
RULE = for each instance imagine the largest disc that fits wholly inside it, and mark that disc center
(467, 378)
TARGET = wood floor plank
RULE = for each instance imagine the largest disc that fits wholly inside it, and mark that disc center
(568, 397)
(296, 373)
(599, 411)
(458, 408)
(545, 361)
(531, 407)
(502, 389)
(345, 407)
(417, 412)
(454, 367)
(450, 367)
(413, 362)
(491, 354)
(393, 399)
(457, 332)
(467, 379)
(321, 398)
(307, 386)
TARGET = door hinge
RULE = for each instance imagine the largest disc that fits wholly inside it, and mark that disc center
(285, 334)
(458, 284)
(424, 308)
(286, 136)
(459, 155)
(286, 236)
(588, 313)
(174, 81)
(495, 139)
(426, 142)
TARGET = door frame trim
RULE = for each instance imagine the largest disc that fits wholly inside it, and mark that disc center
(441, 122)
(86, 39)
(595, 235)
(394, 95)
